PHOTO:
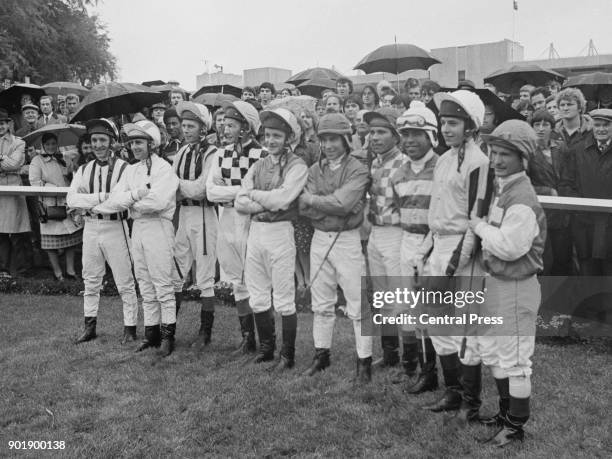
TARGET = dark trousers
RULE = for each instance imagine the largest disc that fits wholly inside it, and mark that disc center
(15, 246)
(558, 253)
(595, 267)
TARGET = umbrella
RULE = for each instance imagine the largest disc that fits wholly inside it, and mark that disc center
(153, 83)
(316, 73)
(511, 79)
(590, 83)
(503, 111)
(11, 98)
(63, 88)
(112, 99)
(214, 100)
(215, 88)
(315, 86)
(166, 88)
(396, 58)
(67, 134)
(295, 103)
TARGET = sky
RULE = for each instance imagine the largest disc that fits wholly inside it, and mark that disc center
(179, 39)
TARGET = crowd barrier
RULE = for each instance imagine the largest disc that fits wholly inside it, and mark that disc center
(565, 297)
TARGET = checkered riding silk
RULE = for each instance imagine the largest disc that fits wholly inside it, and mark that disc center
(234, 166)
(189, 163)
(412, 191)
(383, 208)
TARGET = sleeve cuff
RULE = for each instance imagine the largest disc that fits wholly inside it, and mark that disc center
(480, 228)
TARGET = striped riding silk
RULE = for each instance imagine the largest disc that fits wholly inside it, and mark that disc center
(190, 160)
(412, 194)
(102, 178)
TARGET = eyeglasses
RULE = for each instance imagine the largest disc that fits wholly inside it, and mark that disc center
(414, 121)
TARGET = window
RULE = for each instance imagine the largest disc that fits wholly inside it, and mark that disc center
(461, 75)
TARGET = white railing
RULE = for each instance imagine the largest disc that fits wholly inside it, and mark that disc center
(548, 202)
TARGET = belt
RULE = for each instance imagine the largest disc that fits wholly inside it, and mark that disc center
(228, 204)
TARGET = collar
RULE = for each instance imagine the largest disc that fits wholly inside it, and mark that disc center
(333, 165)
(8, 136)
(47, 158)
(388, 156)
(505, 181)
(420, 162)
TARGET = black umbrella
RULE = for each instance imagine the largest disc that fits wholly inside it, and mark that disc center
(62, 88)
(590, 83)
(511, 79)
(396, 58)
(153, 83)
(215, 88)
(67, 134)
(112, 99)
(214, 100)
(11, 98)
(316, 73)
(315, 87)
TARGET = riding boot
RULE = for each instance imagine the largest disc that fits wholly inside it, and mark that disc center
(410, 363)
(152, 338)
(287, 353)
(471, 387)
(451, 400)
(267, 336)
(428, 376)
(363, 371)
(320, 362)
(167, 339)
(89, 332)
(207, 318)
(247, 329)
(129, 334)
(503, 389)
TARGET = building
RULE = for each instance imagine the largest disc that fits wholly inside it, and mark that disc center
(471, 62)
(571, 66)
(218, 78)
(276, 76)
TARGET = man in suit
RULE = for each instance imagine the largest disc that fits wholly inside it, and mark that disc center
(46, 113)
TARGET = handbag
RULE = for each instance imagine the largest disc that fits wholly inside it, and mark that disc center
(55, 213)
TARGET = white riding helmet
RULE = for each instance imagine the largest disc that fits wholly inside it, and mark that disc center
(144, 129)
(418, 116)
(466, 100)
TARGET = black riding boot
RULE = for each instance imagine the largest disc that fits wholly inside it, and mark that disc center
(410, 363)
(320, 362)
(503, 389)
(247, 329)
(471, 386)
(390, 358)
(428, 376)
(207, 318)
(167, 339)
(90, 330)
(129, 334)
(287, 353)
(451, 400)
(152, 338)
(517, 416)
(363, 371)
(267, 336)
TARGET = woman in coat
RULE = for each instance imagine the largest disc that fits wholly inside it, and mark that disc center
(57, 236)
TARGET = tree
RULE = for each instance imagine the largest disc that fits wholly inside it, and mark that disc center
(53, 41)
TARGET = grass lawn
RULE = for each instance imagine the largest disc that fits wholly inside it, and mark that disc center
(104, 400)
